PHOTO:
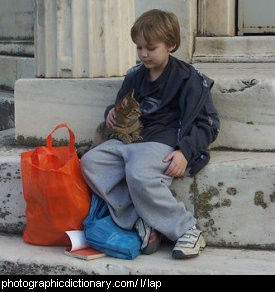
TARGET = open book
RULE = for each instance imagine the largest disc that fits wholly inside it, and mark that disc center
(80, 248)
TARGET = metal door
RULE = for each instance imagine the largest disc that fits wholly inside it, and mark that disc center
(256, 17)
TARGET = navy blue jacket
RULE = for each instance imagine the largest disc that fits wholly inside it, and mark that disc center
(177, 109)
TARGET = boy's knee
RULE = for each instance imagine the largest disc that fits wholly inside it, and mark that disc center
(131, 175)
(136, 176)
(86, 160)
(83, 163)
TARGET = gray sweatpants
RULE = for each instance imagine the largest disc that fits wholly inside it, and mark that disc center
(130, 178)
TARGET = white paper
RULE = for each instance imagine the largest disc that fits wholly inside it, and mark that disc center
(77, 238)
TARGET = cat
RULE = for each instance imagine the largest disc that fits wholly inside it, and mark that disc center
(127, 127)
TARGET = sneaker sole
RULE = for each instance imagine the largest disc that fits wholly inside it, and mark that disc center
(153, 245)
(190, 252)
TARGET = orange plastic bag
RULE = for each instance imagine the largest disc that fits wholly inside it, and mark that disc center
(55, 192)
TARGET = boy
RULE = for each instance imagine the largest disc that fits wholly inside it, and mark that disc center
(179, 122)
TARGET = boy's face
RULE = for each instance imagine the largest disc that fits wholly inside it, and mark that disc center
(153, 55)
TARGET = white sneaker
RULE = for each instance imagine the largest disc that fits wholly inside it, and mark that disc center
(189, 245)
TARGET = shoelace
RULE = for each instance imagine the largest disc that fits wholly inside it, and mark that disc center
(189, 238)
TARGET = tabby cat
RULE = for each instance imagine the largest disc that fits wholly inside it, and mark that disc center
(127, 127)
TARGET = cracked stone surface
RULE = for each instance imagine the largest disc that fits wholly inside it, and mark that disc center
(7, 138)
(16, 257)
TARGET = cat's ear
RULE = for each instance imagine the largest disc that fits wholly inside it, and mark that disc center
(120, 104)
(130, 94)
(124, 102)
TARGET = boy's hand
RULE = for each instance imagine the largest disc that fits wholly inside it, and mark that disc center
(177, 166)
(111, 118)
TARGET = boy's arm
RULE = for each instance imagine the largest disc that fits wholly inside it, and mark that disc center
(203, 132)
(108, 108)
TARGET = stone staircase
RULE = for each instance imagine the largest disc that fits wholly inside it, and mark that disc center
(233, 197)
(6, 110)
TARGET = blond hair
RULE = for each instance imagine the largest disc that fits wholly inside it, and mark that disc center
(157, 25)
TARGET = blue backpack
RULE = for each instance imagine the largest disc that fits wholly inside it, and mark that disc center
(102, 233)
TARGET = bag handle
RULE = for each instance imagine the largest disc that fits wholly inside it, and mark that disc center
(49, 140)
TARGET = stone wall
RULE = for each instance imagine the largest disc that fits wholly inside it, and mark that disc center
(16, 27)
(84, 38)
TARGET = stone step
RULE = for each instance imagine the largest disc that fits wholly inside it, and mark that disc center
(245, 49)
(12, 210)
(19, 258)
(17, 48)
(55, 101)
(13, 68)
(7, 138)
(6, 110)
(243, 94)
(233, 198)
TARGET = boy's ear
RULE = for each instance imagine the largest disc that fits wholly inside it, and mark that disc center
(170, 49)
